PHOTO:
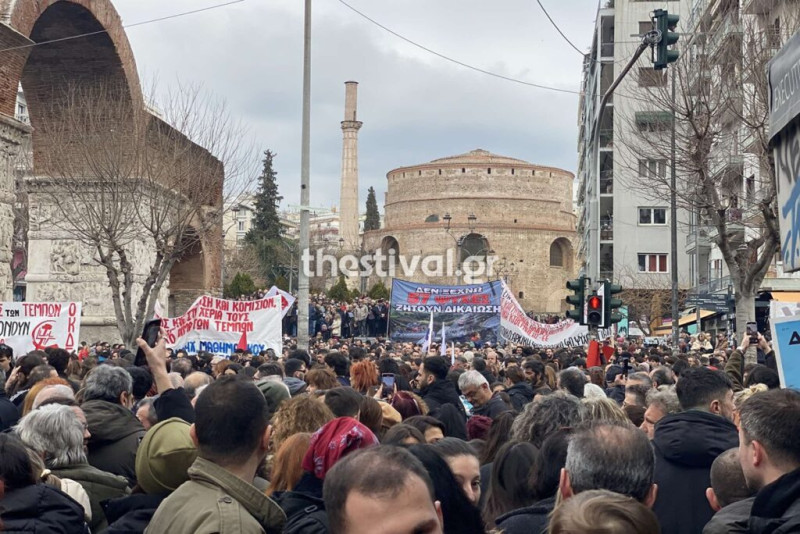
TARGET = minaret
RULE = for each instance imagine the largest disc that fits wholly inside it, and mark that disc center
(348, 199)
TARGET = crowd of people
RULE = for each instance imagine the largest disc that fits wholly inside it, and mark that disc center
(369, 436)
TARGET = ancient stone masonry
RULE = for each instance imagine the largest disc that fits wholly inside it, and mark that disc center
(61, 265)
(523, 215)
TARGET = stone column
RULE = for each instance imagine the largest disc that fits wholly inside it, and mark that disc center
(348, 209)
(12, 137)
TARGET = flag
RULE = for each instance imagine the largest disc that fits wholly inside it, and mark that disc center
(452, 353)
(443, 350)
(593, 354)
(426, 345)
(242, 345)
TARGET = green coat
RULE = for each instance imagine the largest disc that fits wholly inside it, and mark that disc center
(99, 485)
(214, 500)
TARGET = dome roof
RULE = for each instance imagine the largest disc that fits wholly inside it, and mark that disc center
(479, 157)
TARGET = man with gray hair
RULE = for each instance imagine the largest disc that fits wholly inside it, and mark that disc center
(116, 432)
(612, 456)
(55, 433)
(660, 402)
(475, 388)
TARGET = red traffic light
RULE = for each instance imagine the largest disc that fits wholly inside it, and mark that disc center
(595, 302)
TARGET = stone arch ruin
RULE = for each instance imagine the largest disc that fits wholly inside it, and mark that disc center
(59, 266)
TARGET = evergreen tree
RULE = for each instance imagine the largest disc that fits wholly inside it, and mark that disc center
(373, 221)
(378, 291)
(242, 284)
(339, 292)
(266, 224)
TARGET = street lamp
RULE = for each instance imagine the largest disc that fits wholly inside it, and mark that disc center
(471, 222)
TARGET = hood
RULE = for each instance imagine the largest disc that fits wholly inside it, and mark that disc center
(521, 387)
(295, 385)
(109, 421)
(694, 438)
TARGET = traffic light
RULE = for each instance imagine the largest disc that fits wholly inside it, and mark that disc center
(595, 310)
(612, 304)
(576, 299)
(665, 24)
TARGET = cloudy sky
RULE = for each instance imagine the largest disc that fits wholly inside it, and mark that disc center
(415, 106)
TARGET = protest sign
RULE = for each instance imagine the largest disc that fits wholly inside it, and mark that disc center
(462, 311)
(786, 342)
(219, 326)
(287, 300)
(27, 326)
(517, 327)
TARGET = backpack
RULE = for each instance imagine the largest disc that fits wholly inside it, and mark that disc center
(311, 520)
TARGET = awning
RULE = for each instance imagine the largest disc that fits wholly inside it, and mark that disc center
(688, 319)
(785, 296)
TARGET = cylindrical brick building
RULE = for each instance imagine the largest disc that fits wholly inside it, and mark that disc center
(480, 204)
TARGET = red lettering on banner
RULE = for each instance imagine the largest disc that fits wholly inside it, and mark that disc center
(73, 309)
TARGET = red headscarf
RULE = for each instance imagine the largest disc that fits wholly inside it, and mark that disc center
(336, 439)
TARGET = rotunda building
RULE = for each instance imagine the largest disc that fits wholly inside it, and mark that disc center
(478, 205)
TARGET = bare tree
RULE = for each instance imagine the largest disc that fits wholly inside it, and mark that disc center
(141, 187)
(720, 113)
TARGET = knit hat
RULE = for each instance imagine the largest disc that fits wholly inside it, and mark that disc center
(478, 426)
(164, 456)
(274, 393)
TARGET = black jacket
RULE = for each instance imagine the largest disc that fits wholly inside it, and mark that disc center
(9, 414)
(304, 507)
(686, 444)
(521, 394)
(41, 508)
(776, 509)
(442, 392)
(131, 514)
(529, 520)
(493, 408)
(732, 519)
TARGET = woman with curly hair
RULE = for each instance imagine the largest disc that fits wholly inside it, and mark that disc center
(320, 379)
(363, 375)
(303, 413)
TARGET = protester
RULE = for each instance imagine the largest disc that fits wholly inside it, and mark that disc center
(431, 428)
(546, 415)
(519, 388)
(381, 491)
(769, 452)
(463, 462)
(729, 496)
(475, 388)
(231, 444)
(660, 403)
(26, 506)
(435, 389)
(686, 445)
(107, 403)
(56, 434)
(509, 488)
(287, 466)
(572, 381)
(601, 511)
(403, 434)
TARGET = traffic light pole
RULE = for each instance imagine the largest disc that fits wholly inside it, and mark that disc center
(593, 272)
(673, 230)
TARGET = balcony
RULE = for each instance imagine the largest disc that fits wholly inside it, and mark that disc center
(733, 110)
(606, 183)
(729, 28)
(734, 224)
(715, 285)
(606, 229)
(699, 239)
(607, 138)
(729, 163)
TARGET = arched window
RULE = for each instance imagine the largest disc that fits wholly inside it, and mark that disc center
(390, 247)
(556, 255)
(473, 245)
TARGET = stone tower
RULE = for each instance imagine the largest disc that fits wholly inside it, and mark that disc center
(348, 199)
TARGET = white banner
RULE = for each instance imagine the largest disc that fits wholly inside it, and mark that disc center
(27, 326)
(287, 300)
(518, 328)
(219, 326)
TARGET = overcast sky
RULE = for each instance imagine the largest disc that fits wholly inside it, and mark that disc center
(415, 106)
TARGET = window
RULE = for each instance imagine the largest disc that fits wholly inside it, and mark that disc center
(653, 263)
(644, 27)
(716, 269)
(489, 171)
(653, 168)
(652, 216)
(241, 226)
(649, 77)
(521, 294)
(556, 255)
(654, 121)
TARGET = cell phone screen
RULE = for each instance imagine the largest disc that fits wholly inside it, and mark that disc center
(388, 382)
(752, 329)
(150, 335)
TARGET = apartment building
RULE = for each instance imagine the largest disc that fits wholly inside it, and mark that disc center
(632, 238)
